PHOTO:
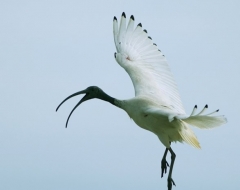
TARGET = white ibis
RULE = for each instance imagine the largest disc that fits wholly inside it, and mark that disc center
(157, 106)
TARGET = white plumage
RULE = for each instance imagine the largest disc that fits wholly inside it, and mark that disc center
(156, 106)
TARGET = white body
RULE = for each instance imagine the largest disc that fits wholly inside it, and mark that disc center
(157, 106)
(139, 109)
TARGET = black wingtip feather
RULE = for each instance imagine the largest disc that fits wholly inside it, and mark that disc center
(139, 25)
(154, 44)
(195, 106)
(206, 106)
(114, 18)
(123, 14)
(145, 30)
(149, 37)
(132, 17)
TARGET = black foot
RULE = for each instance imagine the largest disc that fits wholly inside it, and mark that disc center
(170, 183)
(164, 166)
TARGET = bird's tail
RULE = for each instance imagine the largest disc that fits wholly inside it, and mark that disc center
(205, 121)
(201, 121)
(188, 135)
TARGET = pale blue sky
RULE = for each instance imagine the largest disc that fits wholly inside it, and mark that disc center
(51, 49)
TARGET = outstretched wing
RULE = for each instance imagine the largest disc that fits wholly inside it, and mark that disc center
(145, 64)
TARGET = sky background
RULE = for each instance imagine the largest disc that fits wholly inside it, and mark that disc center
(51, 49)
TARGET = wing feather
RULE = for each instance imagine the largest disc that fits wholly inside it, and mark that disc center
(122, 28)
(145, 64)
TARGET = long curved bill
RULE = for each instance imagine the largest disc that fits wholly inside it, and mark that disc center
(75, 94)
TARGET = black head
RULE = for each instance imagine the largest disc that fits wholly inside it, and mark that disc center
(90, 93)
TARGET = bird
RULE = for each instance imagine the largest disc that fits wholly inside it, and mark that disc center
(157, 106)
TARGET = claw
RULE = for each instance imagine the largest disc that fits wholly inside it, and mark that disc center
(164, 166)
(170, 182)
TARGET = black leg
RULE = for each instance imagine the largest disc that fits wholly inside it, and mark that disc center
(170, 180)
(164, 163)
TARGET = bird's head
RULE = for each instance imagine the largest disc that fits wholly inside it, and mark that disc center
(90, 93)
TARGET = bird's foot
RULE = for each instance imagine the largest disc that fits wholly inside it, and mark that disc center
(164, 166)
(170, 183)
